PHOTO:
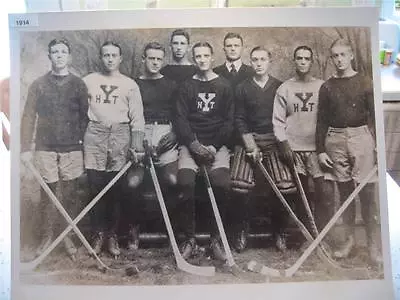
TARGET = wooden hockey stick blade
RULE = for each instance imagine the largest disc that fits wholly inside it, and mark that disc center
(180, 261)
(289, 272)
(323, 255)
(29, 266)
(227, 249)
(332, 222)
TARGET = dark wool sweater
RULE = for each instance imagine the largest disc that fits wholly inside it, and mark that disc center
(204, 109)
(244, 72)
(157, 99)
(254, 106)
(178, 73)
(344, 102)
(60, 106)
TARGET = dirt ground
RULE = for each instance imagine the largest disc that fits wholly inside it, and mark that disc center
(157, 267)
(156, 263)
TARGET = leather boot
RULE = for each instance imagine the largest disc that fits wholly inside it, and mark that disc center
(187, 248)
(113, 246)
(133, 238)
(98, 242)
(217, 248)
(241, 234)
(345, 250)
(70, 247)
(280, 242)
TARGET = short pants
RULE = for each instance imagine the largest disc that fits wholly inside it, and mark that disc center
(55, 165)
(352, 151)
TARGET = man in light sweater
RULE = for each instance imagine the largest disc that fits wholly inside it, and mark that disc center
(116, 127)
(295, 120)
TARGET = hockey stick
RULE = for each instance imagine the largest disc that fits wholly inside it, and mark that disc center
(311, 218)
(72, 223)
(321, 253)
(180, 261)
(229, 257)
(289, 272)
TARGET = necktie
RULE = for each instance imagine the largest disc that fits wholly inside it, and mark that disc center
(233, 69)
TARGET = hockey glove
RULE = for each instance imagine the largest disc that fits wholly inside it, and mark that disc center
(286, 153)
(252, 150)
(136, 152)
(201, 153)
(167, 142)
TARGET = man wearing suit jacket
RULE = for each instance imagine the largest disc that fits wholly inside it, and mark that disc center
(234, 69)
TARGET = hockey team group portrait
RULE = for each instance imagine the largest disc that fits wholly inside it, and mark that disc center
(174, 156)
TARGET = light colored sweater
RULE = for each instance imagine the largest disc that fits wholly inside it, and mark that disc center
(295, 113)
(114, 99)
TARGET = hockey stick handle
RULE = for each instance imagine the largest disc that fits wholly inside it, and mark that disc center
(163, 209)
(228, 252)
(180, 261)
(332, 221)
(72, 223)
(305, 201)
(322, 253)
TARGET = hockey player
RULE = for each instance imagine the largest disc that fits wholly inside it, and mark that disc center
(116, 125)
(156, 91)
(294, 120)
(345, 140)
(253, 120)
(234, 70)
(180, 68)
(204, 121)
(57, 101)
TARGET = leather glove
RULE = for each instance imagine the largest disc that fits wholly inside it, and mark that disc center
(286, 153)
(167, 142)
(252, 150)
(202, 154)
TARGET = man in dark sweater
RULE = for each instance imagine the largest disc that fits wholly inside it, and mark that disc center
(180, 67)
(204, 122)
(253, 120)
(156, 91)
(345, 140)
(234, 70)
(57, 101)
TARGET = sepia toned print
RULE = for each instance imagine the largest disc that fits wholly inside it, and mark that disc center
(274, 127)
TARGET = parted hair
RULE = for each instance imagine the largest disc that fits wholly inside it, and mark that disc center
(180, 32)
(261, 48)
(153, 45)
(202, 44)
(59, 41)
(112, 43)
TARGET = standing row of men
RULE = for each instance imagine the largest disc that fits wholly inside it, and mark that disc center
(190, 115)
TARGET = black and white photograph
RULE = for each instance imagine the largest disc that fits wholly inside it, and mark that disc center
(198, 155)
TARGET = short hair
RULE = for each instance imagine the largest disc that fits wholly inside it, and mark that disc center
(233, 35)
(202, 44)
(341, 42)
(110, 43)
(180, 32)
(303, 47)
(59, 41)
(153, 45)
(261, 48)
